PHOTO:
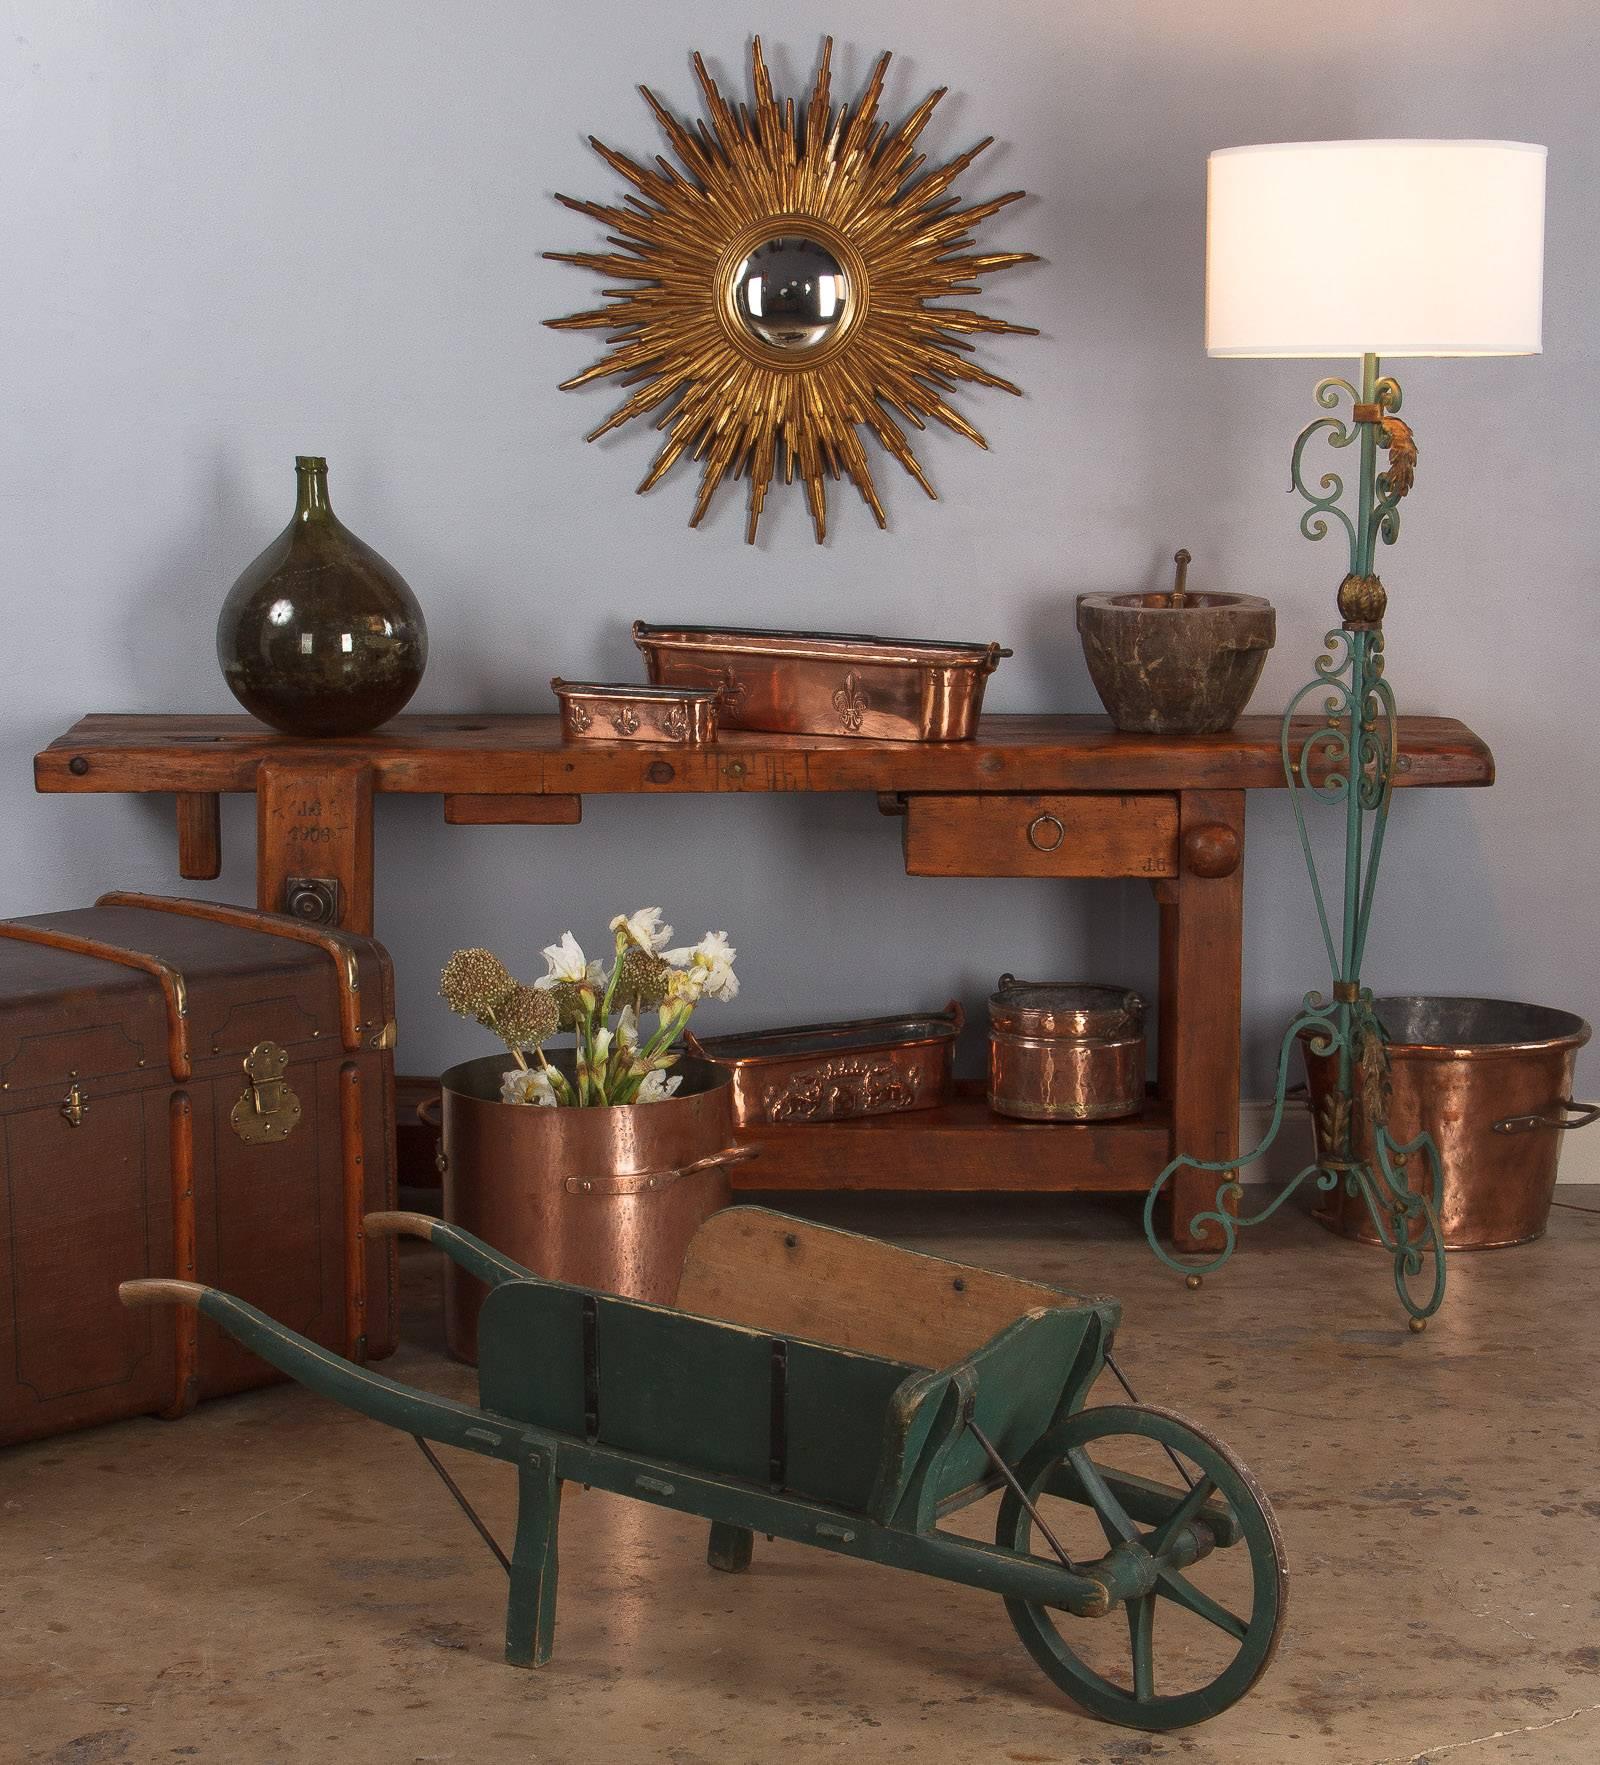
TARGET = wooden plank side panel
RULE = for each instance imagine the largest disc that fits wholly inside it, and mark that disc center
(752, 1266)
(1033, 835)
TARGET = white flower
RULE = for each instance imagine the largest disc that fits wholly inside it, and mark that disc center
(602, 1047)
(644, 928)
(711, 962)
(566, 962)
(657, 1087)
(628, 1028)
(684, 987)
(527, 1086)
(715, 954)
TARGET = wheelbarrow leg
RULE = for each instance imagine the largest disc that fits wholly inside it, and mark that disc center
(531, 1610)
(730, 1548)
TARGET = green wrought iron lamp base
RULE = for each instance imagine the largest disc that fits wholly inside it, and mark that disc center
(1345, 758)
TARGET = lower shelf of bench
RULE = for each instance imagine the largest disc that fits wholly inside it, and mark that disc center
(961, 1146)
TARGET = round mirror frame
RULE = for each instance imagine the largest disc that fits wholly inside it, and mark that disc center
(852, 265)
(848, 182)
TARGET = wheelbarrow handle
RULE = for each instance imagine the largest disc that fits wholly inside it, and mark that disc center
(134, 1294)
(1550, 1117)
(465, 1251)
(359, 1388)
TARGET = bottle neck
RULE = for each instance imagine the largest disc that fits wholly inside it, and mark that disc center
(311, 489)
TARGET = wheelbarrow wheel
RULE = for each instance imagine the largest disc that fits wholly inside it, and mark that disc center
(1074, 1459)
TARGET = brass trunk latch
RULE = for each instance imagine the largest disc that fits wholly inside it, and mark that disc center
(74, 1106)
(268, 1110)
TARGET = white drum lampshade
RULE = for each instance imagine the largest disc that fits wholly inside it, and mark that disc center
(1393, 248)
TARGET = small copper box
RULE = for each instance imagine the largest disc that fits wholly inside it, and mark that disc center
(1065, 1051)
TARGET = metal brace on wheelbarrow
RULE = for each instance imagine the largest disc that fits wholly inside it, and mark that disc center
(830, 1390)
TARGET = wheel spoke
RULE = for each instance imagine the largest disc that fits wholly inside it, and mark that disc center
(1180, 1516)
(1113, 1517)
(1141, 1632)
(1184, 1593)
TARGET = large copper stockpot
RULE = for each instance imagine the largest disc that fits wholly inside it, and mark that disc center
(1491, 1080)
(605, 1198)
(1065, 1051)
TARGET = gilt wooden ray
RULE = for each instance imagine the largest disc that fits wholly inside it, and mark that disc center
(749, 396)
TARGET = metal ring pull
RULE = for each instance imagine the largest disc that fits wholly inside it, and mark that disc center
(1039, 825)
(1549, 1118)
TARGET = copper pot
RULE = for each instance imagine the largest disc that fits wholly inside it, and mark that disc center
(604, 1198)
(1491, 1080)
(1062, 1051)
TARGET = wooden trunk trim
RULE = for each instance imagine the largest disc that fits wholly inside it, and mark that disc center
(352, 1161)
(185, 1323)
(171, 981)
(271, 925)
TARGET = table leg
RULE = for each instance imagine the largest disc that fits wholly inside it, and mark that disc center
(199, 835)
(314, 840)
(1202, 931)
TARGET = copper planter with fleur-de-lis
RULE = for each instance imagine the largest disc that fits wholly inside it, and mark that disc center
(827, 682)
(678, 716)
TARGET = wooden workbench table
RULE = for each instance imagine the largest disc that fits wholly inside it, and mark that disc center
(1030, 796)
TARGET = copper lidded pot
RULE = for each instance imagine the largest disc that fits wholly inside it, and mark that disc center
(606, 1198)
(1065, 1051)
(1491, 1080)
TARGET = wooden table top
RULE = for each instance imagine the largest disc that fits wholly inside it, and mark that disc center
(498, 754)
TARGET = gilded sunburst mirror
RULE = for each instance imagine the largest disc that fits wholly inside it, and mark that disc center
(787, 285)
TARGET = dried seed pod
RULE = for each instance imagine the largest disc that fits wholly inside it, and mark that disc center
(642, 979)
(524, 1018)
(474, 982)
(569, 1008)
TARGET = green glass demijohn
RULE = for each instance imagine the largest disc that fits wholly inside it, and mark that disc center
(320, 636)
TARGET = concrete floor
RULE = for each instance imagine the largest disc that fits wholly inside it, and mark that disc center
(276, 1579)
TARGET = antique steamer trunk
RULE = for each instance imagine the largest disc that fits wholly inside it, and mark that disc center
(186, 1089)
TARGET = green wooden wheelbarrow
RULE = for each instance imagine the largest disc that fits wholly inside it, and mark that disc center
(833, 1390)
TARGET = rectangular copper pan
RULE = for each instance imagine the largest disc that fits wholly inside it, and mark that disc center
(826, 682)
(836, 1071)
(591, 711)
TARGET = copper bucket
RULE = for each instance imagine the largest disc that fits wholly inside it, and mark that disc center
(1065, 1051)
(604, 1198)
(1491, 1080)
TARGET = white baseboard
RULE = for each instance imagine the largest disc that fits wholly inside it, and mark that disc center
(1292, 1150)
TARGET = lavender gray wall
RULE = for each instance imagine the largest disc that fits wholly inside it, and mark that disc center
(238, 231)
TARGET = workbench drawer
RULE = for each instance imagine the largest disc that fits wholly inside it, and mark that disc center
(1064, 834)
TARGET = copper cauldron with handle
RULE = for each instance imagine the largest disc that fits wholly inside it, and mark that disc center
(1491, 1080)
(605, 1198)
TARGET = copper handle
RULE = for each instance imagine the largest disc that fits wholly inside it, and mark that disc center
(1548, 1118)
(635, 1181)
(1039, 824)
(427, 1111)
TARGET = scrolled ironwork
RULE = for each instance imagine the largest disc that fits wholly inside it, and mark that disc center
(1346, 760)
